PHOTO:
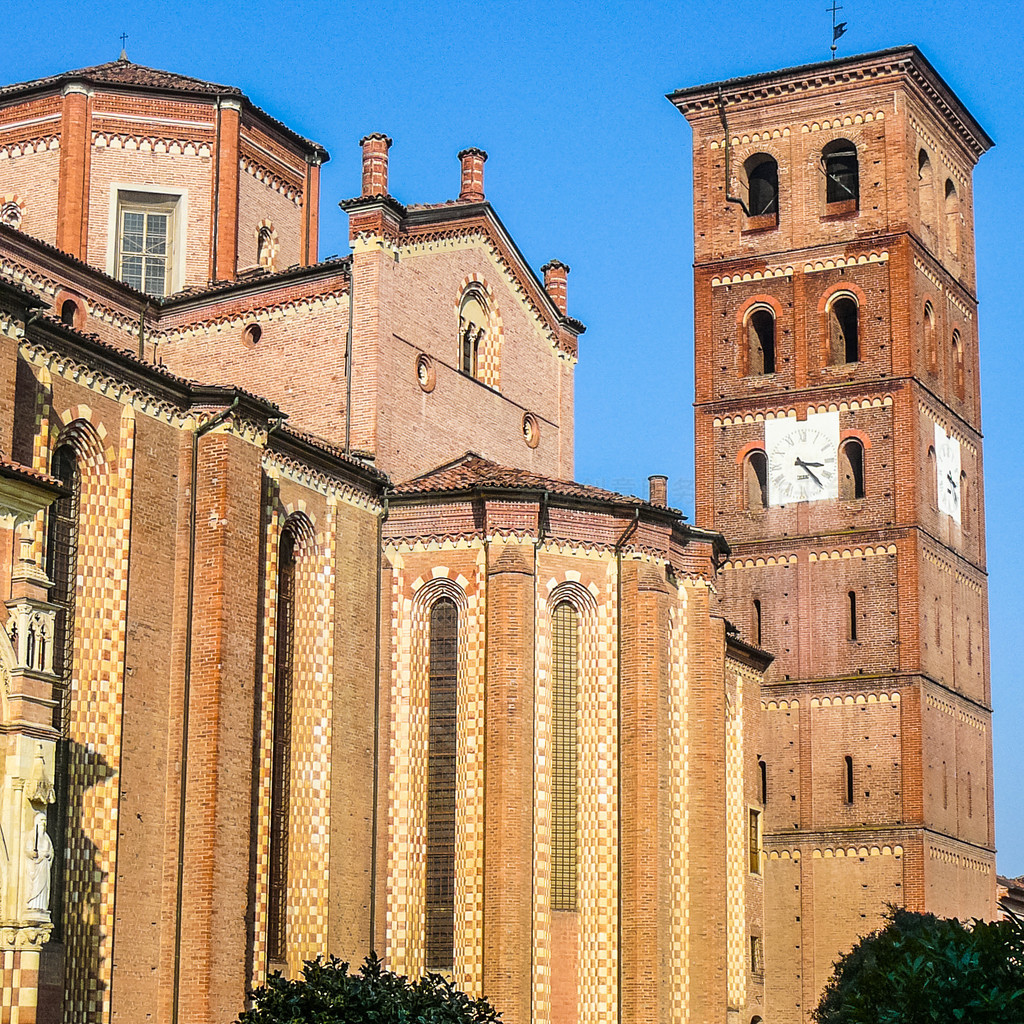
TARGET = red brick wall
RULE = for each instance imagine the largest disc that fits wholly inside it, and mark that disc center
(917, 576)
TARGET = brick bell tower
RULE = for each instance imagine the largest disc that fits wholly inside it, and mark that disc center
(839, 449)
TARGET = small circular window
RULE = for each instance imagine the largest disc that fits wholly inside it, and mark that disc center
(531, 430)
(252, 334)
(426, 375)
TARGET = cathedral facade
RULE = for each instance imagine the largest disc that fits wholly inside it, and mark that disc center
(315, 646)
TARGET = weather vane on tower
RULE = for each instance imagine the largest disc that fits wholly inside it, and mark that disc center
(837, 30)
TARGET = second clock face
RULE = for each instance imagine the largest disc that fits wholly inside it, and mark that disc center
(802, 458)
(947, 471)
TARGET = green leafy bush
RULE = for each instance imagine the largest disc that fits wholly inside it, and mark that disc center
(921, 969)
(328, 994)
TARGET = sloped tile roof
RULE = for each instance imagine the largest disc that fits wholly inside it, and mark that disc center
(17, 471)
(472, 470)
(122, 72)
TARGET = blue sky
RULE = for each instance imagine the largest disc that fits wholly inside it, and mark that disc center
(590, 164)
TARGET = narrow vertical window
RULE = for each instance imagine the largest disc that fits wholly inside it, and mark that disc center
(565, 682)
(68, 312)
(851, 599)
(280, 784)
(474, 320)
(265, 247)
(843, 331)
(930, 344)
(754, 840)
(755, 480)
(970, 797)
(945, 788)
(756, 962)
(849, 779)
(62, 568)
(761, 341)
(926, 198)
(958, 365)
(842, 174)
(757, 621)
(763, 186)
(952, 220)
(965, 510)
(851, 470)
(443, 677)
(763, 769)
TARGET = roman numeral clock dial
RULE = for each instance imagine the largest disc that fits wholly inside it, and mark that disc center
(802, 458)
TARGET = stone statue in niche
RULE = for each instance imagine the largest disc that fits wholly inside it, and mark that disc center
(38, 863)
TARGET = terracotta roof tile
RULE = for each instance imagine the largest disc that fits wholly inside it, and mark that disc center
(122, 72)
(472, 470)
(333, 450)
(17, 471)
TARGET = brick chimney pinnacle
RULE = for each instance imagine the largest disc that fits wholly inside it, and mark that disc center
(375, 164)
(659, 490)
(556, 275)
(472, 175)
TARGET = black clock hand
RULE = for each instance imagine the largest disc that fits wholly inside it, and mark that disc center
(806, 466)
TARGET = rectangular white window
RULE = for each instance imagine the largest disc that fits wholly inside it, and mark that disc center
(145, 241)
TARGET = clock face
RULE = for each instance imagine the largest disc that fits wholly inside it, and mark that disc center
(802, 458)
(947, 472)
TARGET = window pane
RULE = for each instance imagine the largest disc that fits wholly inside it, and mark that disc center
(132, 231)
(156, 234)
(131, 271)
(156, 276)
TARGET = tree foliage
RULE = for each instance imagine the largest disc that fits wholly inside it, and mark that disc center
(921, 969)
(328, 994)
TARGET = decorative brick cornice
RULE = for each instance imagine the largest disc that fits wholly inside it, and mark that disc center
(271, 179)
(905, 62)
(137, 142)
(12, 148)
(78, 372)
(852, 405)
(279, 465)
(434, 239)
(267, 312)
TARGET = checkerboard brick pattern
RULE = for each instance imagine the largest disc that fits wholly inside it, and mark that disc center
(95, 713)
(736, 843)
(19, 983)
(414, 592)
